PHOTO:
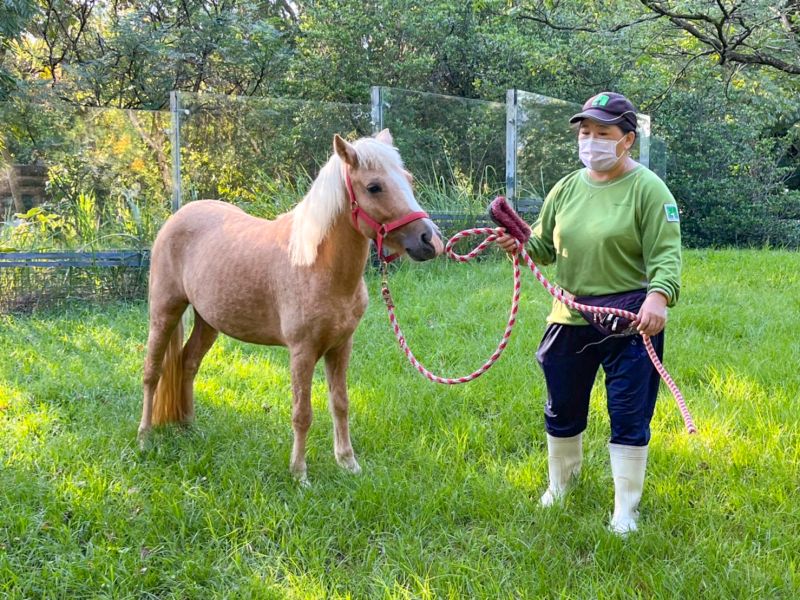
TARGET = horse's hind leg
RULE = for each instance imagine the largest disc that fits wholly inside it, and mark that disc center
(336, 361)
(198, 344)
(302, 367)
(164, 320)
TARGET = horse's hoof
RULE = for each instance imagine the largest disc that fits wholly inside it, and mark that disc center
(302, 479)
(144, 437)
(349, 463)
(300, 475)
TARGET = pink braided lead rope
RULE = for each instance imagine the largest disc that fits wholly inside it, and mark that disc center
(556, 292)
(492, 235)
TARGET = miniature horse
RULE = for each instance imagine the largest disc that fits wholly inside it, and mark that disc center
(295, 282)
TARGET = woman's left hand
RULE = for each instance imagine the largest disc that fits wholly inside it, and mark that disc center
(653, 314)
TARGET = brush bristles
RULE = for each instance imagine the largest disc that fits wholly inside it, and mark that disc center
(500, 212)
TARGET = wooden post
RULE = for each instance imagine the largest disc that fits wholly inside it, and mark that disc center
(19, 205)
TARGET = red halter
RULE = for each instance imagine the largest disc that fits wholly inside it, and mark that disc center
(356, 213)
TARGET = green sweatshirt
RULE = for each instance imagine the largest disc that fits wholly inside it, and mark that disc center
(608, 237)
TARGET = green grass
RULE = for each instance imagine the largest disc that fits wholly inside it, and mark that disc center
(447, 504)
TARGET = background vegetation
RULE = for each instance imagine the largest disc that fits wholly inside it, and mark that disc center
(720, 80)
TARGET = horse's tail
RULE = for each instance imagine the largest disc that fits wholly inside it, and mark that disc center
(169, 403)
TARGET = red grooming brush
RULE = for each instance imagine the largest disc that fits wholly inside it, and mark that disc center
(500, 212)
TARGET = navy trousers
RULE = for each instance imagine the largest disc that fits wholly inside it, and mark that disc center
(570, 356)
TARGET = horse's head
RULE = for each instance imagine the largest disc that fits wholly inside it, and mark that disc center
(382, 200)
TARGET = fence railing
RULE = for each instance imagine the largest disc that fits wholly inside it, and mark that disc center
(120, 258)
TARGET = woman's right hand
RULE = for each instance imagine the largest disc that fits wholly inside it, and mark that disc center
(507, 243)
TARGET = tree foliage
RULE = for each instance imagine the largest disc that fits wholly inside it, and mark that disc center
(720, 79)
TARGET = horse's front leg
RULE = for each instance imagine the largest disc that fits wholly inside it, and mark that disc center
(336, 361)
(302, 367)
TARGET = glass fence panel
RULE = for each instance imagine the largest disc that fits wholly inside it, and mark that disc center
(81, 179)
(260, 153)
(455, 147)
(658, 157)
(77, 179)
(545, 146)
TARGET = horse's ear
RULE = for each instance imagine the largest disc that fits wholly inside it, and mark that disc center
(385, 137)
(345, 151)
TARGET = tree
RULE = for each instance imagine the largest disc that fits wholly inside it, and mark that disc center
(14, 16)
(751, 32)
(719, 78)
(131, 54)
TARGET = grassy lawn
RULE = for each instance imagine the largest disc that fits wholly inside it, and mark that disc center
(447, 505)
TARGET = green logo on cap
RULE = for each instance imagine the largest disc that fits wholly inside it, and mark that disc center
(672, 213)
(600, 100)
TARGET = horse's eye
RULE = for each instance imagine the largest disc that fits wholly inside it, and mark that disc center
(373, 188)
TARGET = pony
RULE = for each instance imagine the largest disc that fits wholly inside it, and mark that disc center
(295, 281)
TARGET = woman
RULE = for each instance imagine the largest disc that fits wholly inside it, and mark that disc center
(612, 227)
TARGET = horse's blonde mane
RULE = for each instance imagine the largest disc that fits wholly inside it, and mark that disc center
(326, 199)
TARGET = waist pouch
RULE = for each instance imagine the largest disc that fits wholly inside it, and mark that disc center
(612, 324)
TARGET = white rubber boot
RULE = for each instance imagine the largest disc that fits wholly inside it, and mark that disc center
(564, 457)
(628, 465)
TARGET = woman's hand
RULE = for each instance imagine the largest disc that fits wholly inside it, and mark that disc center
(653, 314)
(507, 243)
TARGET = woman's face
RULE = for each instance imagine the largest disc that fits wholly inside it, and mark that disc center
(598, 131)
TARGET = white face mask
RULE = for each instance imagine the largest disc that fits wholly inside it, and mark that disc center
(599, 155)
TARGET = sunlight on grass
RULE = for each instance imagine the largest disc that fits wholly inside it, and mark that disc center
(10, 396)
(447, 506)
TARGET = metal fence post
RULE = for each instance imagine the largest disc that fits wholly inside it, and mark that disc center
(175, 140)
(644, 140)
(376, 94)
(511, 147)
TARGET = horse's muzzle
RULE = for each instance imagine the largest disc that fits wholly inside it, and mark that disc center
(425, 244)
(438, 244)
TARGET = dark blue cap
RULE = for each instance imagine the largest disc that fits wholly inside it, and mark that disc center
(608, 108)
